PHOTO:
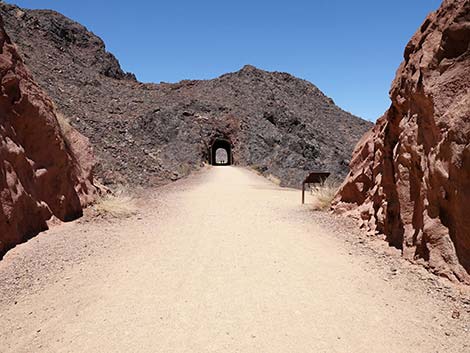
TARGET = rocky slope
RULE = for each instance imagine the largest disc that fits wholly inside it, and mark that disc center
(410, 175)
(148, 133)
(44, 171)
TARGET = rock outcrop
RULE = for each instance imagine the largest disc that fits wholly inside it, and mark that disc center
(44, 171)
(410, 175)
(151, 133)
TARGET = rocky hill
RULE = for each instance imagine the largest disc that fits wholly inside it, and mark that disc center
(45, 171)
(150, 133)
(410, 175)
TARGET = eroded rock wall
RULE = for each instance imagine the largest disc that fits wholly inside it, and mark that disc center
(410, 175)
(44, 171)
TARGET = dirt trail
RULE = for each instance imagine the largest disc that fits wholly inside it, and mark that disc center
(222, 262)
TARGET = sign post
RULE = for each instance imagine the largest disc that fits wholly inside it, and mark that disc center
(314, 178)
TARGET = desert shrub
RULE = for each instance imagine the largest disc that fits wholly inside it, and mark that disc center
(274, 179)
(323, 195)
(64, 124)
(118, 203)
(258, 169)
(65, 129)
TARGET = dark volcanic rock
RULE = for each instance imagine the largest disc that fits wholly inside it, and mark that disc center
(44, 171)
(410, 175)
(146, 133)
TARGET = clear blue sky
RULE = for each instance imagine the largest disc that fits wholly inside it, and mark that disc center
(349, 49)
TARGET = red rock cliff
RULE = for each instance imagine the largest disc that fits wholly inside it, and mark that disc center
(44, 171)
(410, 175)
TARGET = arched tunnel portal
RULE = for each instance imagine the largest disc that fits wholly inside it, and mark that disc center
(220, 152)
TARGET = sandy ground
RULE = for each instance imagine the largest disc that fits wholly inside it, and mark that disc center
(224, 261)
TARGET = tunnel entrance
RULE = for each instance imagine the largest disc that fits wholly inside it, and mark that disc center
(221, 152)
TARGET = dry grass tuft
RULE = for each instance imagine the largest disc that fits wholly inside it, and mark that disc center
(274, 179)
(324, 195)
(65, 128)
(64, 124)
(258, 169)
(118, 204)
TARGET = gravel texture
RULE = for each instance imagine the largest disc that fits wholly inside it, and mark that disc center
(224, 261)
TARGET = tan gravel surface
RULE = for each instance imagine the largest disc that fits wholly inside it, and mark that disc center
(224, 261)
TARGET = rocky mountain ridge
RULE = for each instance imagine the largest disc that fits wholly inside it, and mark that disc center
(145, 134)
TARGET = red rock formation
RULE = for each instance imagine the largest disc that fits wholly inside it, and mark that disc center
(410, 175)
(44, 171)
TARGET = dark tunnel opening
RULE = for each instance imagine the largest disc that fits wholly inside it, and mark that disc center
(221, 152)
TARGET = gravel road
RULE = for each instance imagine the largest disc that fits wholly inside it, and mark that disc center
(224, 261)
